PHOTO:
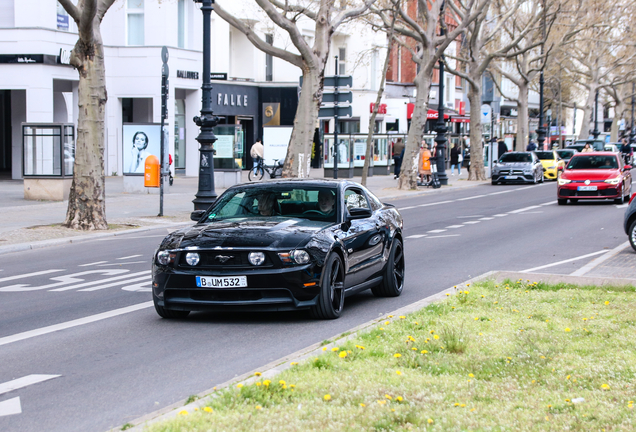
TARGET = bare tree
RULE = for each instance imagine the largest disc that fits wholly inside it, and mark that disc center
(310, 59)
(430, 45)
(86, 203)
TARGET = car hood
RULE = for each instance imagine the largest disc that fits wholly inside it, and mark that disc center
(278, 232)
(590, 174)
(548, 162)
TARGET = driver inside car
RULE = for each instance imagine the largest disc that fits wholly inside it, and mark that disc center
(266, 202)
(326, 201)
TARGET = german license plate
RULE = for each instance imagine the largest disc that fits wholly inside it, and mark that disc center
(510, 177)
(586, 188)
(221, 282)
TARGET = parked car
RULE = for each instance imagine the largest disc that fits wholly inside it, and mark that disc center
(597, 145)
(552, 163)
(517, 167)
(595, 175)
(612, 147)
(281, 245)
(566, 154)
(629, 221)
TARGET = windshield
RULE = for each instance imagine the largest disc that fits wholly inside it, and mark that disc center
(313, 203)
(515, 157)
(565, 154)
(545, 155)
(596, 145)
(593, 162)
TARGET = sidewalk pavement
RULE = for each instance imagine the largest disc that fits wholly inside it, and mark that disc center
(30, 224)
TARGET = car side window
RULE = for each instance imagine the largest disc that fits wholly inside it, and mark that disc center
(355, 199)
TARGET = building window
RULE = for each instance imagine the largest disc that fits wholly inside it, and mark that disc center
(269, 60)
(181, 23)
(348, 126)
(63, 20)
(342, 61)
(135, 22)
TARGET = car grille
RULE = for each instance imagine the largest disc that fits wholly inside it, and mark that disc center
(223, 259)
(596, 193)
(233, 295)
(511, 172)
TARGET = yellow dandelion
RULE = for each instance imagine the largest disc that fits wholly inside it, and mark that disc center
(382, 402)
(549, 406)
(471, 375)
(467, 285)
(584, 319)
(362, 405)
(397, 355)
(605, 386)
(183, 412)
(414, 349)
(387, 322)
(392, 409)
(481, 334)
(281, 382)
(208, 409)
(266, 383)
(388, 397)
(399, 399)
(453, 307)
(342, 354)
(324, 348)
(567, 377)
(567, 400)
(292, 386)
(435, 337)
(258, 373)
(389, 316)
(534, 381)
(476, 318)
(258, 407)
(327, 397)
(606, 303)
(334, 349)
(483, 296)
(472, 409)
(258, 384)
(293, 363)
(381, 328)
(402, 317)
(239, 385)
(430, 421)
(424, 352)
(495, 302)
(398, 372)
(462, 406)
(432, 331)
(447, 294)
(567, 329)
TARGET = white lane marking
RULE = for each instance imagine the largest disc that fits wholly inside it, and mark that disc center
(455, 226)
(139, 286)
(435, 231)
(24, 382)
(124, 263)
(416, 236)
(500, 215)
(128, 257)
(10, 407)
(622, 206)
(112, 284)
(471, 222)
(93, 263)
(553, 202)
(486, 218)
(502, 192)
(43, 272)
(436, 203)
(469, 217)
(74, 323)
(406, 208)
(85, 284)
(595, 262)
(564, 261)
(442, 236)
(527, 187)
(61, 280)
(523, 209)
(469, 198)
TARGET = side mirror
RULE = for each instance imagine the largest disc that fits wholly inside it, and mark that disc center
(359, 213)
(197, 215)
(560, 168)
(627, 167)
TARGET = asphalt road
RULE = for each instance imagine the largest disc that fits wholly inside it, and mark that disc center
(105, 364)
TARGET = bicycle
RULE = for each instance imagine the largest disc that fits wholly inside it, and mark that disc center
(258, 171)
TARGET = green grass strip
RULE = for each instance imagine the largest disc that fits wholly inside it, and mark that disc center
(513, 356)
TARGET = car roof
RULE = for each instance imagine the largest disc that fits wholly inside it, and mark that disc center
(596, 153)
(302, 182)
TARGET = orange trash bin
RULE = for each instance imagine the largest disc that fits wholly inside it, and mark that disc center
(152, 170)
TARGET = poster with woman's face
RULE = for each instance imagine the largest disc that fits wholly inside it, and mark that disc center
(139, 142)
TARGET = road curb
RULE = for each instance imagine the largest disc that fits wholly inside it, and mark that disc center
(18, 247)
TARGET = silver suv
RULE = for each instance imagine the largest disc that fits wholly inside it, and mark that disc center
(524, 167)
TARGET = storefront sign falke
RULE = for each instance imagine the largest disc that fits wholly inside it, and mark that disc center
(231, 99)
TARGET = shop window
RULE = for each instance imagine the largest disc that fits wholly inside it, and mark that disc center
(181, 23)
(135, 22)
(348, 126)
(342, 61)
(393, 126)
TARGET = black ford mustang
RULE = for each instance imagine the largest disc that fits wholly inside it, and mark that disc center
(281, 245)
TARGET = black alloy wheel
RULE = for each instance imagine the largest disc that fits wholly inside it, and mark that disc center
(256, 174)
(170, 313)
(332, 294)
(632, 235)
(620, 200)
(393, 279)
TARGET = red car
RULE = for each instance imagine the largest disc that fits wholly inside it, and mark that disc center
(595, 175)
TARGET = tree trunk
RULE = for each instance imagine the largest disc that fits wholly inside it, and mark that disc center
(587, 124)
(298, 159)
(618, 115)
(86, 204)
(476, 171)
(522, 117)
(409, 171)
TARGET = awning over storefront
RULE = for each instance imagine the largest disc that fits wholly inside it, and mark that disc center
(460, 119)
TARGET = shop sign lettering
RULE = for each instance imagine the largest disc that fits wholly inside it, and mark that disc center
(231, 99)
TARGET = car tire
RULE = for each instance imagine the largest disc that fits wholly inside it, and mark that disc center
(170, 313)
(331, 297)
(393, 275)
(621, 200)
(632, 235)
(562, 201)
(492, 182)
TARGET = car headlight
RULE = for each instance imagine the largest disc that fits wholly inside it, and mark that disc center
(300, 256)
(192, 258)
(613, 181)
(256, 258)
(165, 257)
(562, 181)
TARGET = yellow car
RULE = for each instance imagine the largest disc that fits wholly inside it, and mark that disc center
(553, 165)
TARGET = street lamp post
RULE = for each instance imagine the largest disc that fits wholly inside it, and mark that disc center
(440, 125)
(632, 132)
(206, 195)
(596, 132)
(541, 129)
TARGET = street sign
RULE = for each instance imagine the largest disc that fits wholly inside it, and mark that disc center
(486, 113)
(330, 81)
(343, 111)
(343, 97)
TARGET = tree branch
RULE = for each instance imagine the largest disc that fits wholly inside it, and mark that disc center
(71, 9)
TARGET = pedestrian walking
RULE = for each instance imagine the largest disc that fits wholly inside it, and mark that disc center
(424, 163)
(501, 148)
(398, 155)
(455, 154)
(531, 146)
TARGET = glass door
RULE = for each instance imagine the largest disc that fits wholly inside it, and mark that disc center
(179, 134)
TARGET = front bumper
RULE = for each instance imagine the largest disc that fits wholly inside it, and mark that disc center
(276, 289)
(604, 191)
(515, 176)
(551, 173)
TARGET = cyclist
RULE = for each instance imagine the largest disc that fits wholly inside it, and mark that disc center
(257, 153)
(626, 151)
